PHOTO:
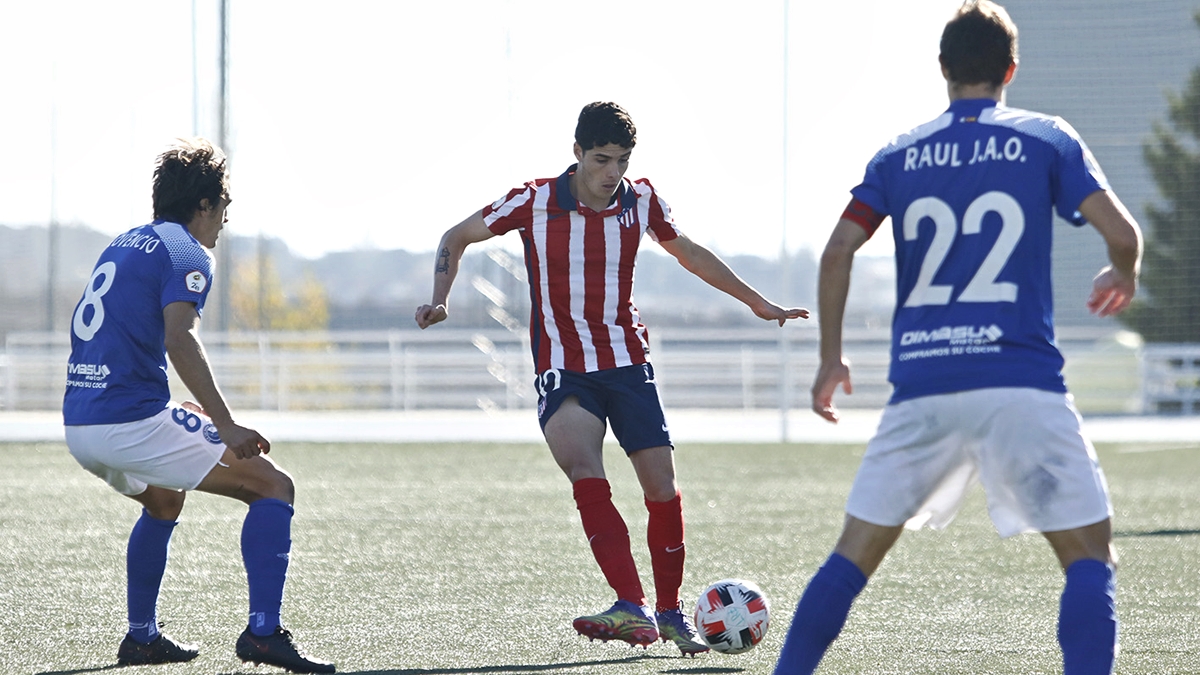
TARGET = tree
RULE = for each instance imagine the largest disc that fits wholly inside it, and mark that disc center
(1170, 312)
(265, 306)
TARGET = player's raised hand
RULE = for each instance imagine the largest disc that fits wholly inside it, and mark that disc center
(829, 375)
(1112, 291)
(427, 315)
(243, 442)
(772, 312)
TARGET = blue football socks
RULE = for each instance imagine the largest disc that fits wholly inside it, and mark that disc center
(266, 543)
(145, 562)
(820, 615)
(1087, 619)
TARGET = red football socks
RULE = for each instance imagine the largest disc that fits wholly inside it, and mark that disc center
(609, 537)
(664, 534)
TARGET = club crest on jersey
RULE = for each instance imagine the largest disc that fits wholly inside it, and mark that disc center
(196, 281)
(628, 217)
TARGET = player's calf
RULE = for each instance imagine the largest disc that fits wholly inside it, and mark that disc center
(1087, 620)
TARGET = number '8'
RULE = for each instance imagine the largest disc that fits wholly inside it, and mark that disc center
(185, 419)
(91, 298)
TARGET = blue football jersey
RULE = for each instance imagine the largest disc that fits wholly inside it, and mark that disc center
(118, 367)
(971, 196)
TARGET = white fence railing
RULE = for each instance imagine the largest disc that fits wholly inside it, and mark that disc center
(1171, 379)
(749, 368)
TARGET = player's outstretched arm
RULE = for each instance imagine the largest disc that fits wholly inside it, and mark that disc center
(705, 264)
(449, 253)
(833, 286)
(191, 362)
(1114, 287)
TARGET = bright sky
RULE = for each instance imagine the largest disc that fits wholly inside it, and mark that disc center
(365, 123)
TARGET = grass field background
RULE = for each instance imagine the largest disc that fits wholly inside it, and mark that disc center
(444, 559)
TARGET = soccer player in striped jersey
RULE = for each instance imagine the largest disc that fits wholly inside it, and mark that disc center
(979, 394)
(581, 232)
(143, 304)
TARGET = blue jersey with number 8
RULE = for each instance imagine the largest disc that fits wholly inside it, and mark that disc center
(971, 196)
(118, 367)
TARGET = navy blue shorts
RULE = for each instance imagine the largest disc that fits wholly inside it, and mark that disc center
(626, 398)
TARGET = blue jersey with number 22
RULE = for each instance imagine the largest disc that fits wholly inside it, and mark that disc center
(971, 196)
(118, 367)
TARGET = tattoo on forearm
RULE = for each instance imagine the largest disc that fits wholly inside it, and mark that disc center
(443, 261)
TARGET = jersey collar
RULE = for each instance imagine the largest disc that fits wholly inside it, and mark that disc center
(626, 198)
(972, 107)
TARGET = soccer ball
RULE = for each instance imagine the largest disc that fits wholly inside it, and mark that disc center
(732, 616)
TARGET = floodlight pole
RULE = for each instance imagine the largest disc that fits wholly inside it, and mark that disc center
(785, 373)
(52, 228)
(225, 263)
(195, 79)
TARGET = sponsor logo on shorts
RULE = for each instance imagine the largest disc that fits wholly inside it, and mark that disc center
(211, 435)
(649, 378)
(541, 407)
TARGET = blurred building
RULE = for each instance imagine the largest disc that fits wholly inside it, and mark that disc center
(1104, 66)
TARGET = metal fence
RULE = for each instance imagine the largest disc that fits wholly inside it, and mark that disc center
(752, 368)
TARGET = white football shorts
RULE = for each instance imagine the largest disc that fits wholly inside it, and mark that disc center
(174, 449)
(1024, 445)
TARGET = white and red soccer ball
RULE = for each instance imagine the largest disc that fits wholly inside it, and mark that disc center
(732, 616)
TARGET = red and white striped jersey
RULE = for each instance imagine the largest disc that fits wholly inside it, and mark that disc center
(580, 268)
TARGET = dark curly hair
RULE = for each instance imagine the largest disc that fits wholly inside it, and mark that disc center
(979, 44)
(604, 123)
(190, 170)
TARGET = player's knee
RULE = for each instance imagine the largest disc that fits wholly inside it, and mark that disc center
(279, 485)
(1089, 542)
(577, 462)
(272, 483)
(656, 472)
(661, 491)
(163, 504)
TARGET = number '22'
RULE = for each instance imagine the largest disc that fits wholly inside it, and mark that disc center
(983, 286)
